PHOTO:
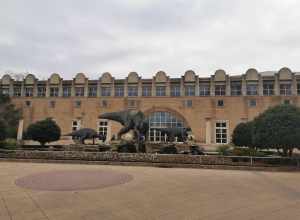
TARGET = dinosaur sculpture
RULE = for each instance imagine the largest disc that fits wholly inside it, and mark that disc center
(83, 134)
(181, 133)
(131, 120)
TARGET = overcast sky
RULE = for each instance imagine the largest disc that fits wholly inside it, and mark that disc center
(119, 36)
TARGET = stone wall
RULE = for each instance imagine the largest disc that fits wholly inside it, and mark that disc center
(167, 160)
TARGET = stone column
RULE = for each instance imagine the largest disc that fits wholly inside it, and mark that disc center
(212, 86)
(182, 87)
(276, 85)
(197, 86)
(228, 86)
(73, 88)
(140, 87)
(11, 88)
(294, 85)
(244, 86)
(20, 130)
(47, 88)
(86, 88)
(208, 131)
(22, 89)
(153, 92)
(126, 88)
(60, 88)
(168, 87)
(260, 86)
(112, 88)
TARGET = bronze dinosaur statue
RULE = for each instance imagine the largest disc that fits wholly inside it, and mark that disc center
(83, 134)
(131, 120)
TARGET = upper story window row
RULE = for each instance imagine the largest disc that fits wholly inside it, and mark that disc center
(234, 88)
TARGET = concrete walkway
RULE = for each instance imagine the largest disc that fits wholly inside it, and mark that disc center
(154, 193)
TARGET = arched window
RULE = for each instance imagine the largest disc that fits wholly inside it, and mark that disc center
(162, 120)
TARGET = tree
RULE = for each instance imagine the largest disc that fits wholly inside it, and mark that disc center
(44, 131)
(243, 134)
(278, 128)
(9, 115)
(2, 131)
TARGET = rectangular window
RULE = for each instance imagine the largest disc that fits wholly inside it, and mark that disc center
(52, 104)
(175, 90)
(268, 88)
(132, 91)
(41, 91)
(285, 89)
(189, 90)
(221, 132)
(160, 91)
(252, 103)
(5, 91)
(54, 91)
(188, 103)
(204, 89)
(79, 91)
(28, 103)
(252, 89)
(298, 88)
(77, 104)
(220, 103)
(75, 125)
(220, 90)
(105, 91)
(66, 91)
(17, 91)
(28, 91)
(119, 91)
(92, 91)
(103, 127)
(236, 88)
(103, 103)
(146, 90)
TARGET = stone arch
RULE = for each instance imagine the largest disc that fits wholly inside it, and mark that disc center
(106, 78)
(161, 76)
(55, 78)
(6, 79)
(251, 74)
(189, 76)
(166, 109)
(220, 75)
(80, 78)
(30, 79)
(133, 77)
(285, 74)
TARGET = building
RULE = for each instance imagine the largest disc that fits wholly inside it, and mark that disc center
(211, 106)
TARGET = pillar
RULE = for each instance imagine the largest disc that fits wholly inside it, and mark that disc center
(208, 131)
(20, 130)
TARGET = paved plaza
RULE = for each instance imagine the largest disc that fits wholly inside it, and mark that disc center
(147, 193)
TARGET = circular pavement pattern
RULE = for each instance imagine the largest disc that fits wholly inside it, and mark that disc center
(69, 180)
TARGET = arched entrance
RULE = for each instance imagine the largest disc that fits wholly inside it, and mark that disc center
(162, 119)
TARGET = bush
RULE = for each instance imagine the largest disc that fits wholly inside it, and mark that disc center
(2, 131)
(44, 131)
(278, 128)
(224, 150)
(168, 150)
(127, 148)
(243, 134)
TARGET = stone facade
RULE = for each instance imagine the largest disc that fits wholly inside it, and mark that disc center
(211, 106)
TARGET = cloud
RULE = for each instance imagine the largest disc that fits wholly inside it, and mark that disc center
(120, 36)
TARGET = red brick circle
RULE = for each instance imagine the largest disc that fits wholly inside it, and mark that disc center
(70, 180)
